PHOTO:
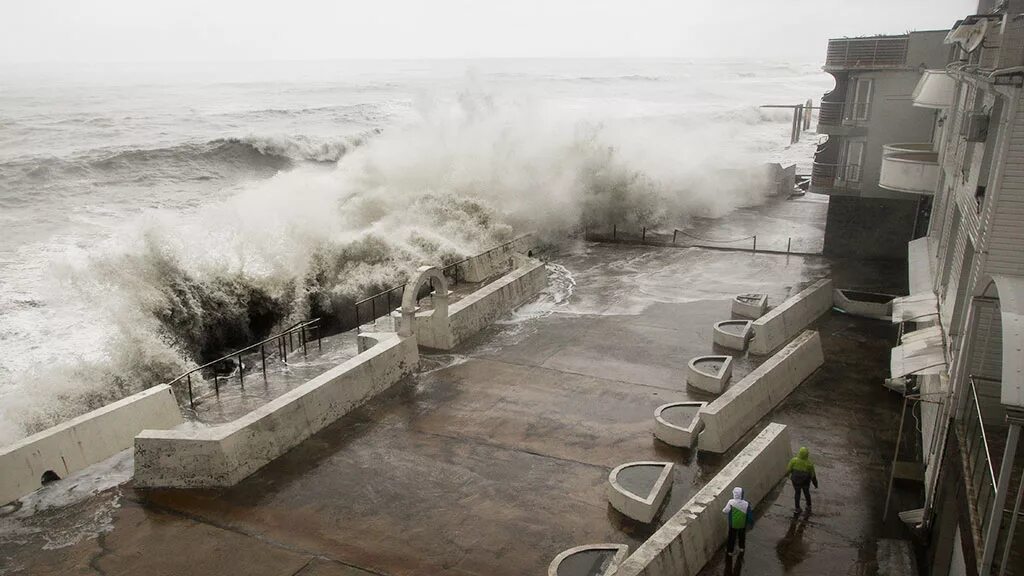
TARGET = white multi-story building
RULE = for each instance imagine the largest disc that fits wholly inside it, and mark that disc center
(870, 114)
(962, 337)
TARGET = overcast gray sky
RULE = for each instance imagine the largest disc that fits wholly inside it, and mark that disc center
(228, 30)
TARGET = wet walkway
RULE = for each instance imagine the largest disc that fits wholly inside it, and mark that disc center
(494, 458)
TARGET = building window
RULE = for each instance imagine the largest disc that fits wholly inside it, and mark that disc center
(853, 159)
(860, 108)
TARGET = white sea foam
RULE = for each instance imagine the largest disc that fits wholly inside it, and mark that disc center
(466, 170)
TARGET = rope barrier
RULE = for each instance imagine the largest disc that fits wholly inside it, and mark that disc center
(694, 236)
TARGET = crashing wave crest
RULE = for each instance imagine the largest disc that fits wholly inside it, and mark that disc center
(467, 175)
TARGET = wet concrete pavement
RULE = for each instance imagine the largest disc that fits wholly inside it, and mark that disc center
(494, 458)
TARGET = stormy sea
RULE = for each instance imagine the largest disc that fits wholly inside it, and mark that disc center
(155, 216)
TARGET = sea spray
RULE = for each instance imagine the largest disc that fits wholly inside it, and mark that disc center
(468, 174)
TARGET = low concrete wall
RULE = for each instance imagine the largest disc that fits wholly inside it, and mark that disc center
(83, 441)
(478, 310)
(683, 545)
(744, 403)
(497, 261)
(787, 319)
(224, 455)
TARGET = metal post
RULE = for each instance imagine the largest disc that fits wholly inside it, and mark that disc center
(1005, 469)
(241, 377)
(284, 350)
(807, 114)
(615, 231)
(263, 360)
(319, 344)
(357, 317)
(1013, 528)
(895, 458)
(373, 304)
(216, 384)
(789, 243)
(674, 236)
(643, 235)
(755, 243)
(191, 401)
(303, 336)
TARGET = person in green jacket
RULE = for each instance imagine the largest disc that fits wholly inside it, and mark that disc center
(801, 474)
(740, 514)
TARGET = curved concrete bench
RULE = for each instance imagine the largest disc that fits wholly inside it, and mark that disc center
(750, 305)
(732, 334)
(709, 373)
(637, 489)
(589, 560)
(678, 423)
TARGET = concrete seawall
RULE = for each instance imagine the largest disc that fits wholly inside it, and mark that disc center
(224, 455)
(787, 319)
(479, 309)
(683, 545)
(83, 441)
(729, 417)
(493, 262)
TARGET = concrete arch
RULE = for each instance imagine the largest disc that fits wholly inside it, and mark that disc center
(423, 275)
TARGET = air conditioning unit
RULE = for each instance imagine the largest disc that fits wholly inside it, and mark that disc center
(975, 127)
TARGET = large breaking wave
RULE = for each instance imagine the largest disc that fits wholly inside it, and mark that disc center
(466, 175)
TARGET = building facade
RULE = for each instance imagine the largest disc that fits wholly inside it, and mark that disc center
(961, 349)
(869, 114)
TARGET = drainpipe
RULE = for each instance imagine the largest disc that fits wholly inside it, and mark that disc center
(995, 520)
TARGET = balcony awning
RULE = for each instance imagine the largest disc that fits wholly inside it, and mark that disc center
(935, 89)
(931, 335)
(921, 357)
(914, 308)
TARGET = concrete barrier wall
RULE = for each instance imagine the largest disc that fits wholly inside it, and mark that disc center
(787, 319)
(224, 455)
(683, 545)
(729, 417)
(478, 310)
(84, 441)
(493, 262)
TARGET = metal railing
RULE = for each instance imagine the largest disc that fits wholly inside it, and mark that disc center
(643, 235)
(283, 340)
(834, 175)
(867, 53)
(831, 114)
(382, 303)
(982, 476)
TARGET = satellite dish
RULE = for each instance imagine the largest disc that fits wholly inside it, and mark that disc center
(975, 36)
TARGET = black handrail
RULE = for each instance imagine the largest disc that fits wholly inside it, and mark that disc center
(282, 348)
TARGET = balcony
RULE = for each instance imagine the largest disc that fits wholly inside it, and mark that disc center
(878, 52)
(841, 179)
(836, 118)
(910, 167)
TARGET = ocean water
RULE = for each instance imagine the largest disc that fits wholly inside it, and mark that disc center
(153, 215)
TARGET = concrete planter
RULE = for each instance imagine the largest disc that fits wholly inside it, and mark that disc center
(709, 373)
(678, 423)
(864, 304)
(732, 334)
(637, 489)
(750, 305)
(589, 560)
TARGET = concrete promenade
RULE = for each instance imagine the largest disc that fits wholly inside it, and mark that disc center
(493, 459)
